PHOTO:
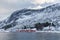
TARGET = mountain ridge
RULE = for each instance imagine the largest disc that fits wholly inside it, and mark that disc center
(31, 16)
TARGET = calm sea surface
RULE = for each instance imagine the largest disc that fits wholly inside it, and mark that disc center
(29, 36)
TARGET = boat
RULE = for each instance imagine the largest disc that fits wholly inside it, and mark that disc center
(26, 30)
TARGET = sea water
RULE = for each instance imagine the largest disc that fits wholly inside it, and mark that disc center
(29, 36)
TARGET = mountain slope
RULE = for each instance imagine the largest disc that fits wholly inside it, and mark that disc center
(28, 17)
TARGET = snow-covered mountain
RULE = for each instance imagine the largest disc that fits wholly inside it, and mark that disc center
(28, 17)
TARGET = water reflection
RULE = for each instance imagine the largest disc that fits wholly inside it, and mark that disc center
(29, 36)
(48, 36)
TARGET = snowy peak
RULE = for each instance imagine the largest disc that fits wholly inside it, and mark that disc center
(18, 14)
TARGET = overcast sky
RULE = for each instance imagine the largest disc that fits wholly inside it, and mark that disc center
(9, 6)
